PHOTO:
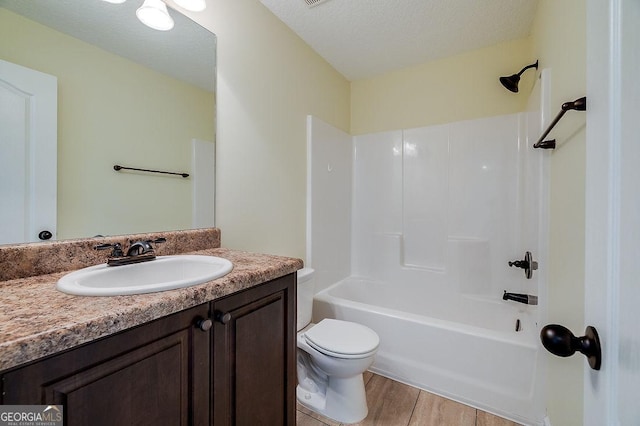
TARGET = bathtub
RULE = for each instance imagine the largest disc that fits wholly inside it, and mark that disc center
(462, 347)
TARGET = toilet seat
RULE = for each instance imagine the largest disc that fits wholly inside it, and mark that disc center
(342, 339)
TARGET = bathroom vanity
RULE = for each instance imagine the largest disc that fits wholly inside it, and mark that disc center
(225, 356)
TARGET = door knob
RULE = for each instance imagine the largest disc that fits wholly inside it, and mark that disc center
(560, 341)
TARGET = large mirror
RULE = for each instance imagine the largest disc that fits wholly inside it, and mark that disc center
(126, 95)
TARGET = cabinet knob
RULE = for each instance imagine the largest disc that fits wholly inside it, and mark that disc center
(204, 324)
(222, 317)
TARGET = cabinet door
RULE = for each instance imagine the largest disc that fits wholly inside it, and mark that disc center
(254, 355)
(154, 374)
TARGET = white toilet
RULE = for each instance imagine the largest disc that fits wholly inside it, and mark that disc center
(332, 355)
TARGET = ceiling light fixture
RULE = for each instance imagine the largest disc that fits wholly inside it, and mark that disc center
(154, 14)
(115, 1)
(192, 5)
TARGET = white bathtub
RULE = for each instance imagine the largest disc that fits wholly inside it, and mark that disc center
(462, 347)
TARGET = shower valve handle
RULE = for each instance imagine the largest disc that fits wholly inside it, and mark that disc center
(528, 264)
(519, 264)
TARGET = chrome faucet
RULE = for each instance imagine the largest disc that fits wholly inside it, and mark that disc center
(527, 299)
(139, 251)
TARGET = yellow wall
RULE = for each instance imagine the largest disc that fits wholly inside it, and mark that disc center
(559, 41)
(105, 105)
(268, 81)
(461, 87)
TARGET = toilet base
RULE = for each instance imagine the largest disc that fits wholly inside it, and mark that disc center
(344, 401)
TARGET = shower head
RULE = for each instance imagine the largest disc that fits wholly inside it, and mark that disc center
(511, 82)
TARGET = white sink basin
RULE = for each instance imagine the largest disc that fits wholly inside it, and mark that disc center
(163, 273)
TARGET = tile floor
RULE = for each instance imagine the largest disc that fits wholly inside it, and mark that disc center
(396, 404)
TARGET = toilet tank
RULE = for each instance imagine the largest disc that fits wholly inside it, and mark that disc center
(305, 292)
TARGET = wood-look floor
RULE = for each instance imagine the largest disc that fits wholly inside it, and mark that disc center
(396, 404)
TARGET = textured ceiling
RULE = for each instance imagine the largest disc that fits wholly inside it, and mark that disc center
(363, 38)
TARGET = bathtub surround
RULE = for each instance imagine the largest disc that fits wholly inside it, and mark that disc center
(448, 199)
(329, 195)
(451, 194)
(437, 214)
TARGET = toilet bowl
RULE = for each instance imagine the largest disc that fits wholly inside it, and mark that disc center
(332, 355)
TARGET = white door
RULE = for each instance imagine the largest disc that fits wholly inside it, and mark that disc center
(28, 153)
(612, 287)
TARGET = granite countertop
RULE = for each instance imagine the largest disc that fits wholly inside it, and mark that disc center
(36, 320)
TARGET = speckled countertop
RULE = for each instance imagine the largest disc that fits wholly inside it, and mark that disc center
(36, 320)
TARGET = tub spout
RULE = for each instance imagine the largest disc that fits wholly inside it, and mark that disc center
(527, 299)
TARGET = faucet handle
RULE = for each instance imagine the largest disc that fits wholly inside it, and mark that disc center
(117, 249)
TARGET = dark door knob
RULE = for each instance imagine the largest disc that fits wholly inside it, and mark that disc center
(45, 235)
(560, 341)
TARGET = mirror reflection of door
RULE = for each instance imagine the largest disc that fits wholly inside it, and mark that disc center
(28, 164)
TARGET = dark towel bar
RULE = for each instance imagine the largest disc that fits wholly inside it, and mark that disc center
(118, 168)
(578, 105)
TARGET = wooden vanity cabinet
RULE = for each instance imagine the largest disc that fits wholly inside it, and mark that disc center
(157, 373)
(254, 356)
(178, 370)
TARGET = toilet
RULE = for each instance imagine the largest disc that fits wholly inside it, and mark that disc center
(332, 355)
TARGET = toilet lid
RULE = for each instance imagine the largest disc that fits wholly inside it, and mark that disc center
(342, 339)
